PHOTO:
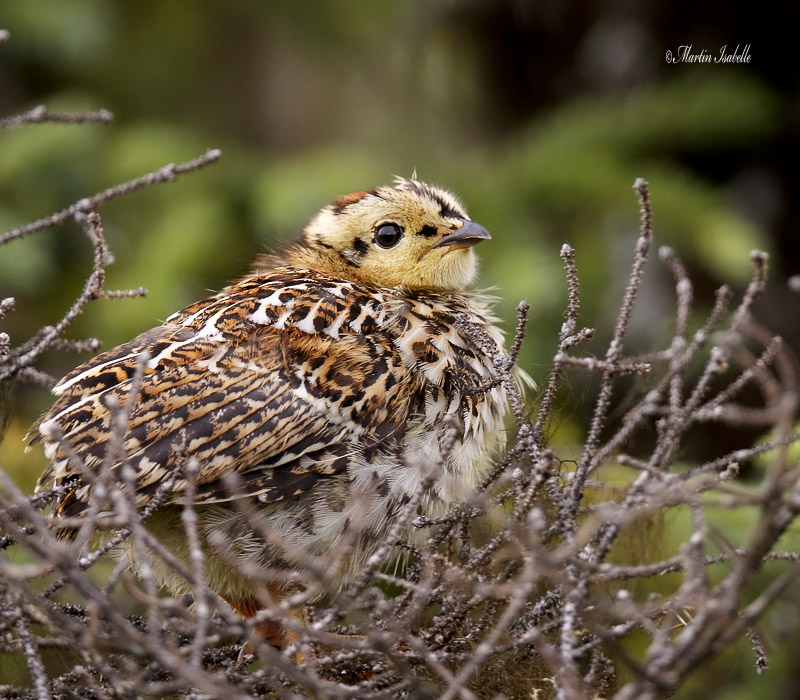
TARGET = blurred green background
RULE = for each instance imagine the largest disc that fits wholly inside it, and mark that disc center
(540, 115)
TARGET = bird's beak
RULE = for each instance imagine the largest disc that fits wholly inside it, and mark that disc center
(468, 235)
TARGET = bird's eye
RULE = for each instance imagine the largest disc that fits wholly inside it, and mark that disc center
(388, 235)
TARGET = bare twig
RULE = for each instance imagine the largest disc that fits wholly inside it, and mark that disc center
(40, 115)
(169, 173)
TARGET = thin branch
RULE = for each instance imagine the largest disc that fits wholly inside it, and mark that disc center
(614, 352)
(41, 115)
(169, 173)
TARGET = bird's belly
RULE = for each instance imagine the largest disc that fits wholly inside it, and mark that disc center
(328, 533)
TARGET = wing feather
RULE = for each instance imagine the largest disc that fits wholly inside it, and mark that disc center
(262, 380)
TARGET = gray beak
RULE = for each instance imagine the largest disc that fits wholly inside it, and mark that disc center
(468, 235)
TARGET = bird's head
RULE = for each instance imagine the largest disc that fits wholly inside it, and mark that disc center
(411, 235)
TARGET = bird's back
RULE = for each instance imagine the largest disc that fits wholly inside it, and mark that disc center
(283, 379)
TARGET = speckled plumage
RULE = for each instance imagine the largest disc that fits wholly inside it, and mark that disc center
(322, 380)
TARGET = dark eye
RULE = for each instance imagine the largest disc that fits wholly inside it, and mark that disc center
(388, 235)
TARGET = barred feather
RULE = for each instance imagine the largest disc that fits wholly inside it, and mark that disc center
(322, 382)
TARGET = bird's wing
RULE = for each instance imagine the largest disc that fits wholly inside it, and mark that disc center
(277, 379)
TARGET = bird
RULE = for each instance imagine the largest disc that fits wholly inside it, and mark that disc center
(315, 392)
